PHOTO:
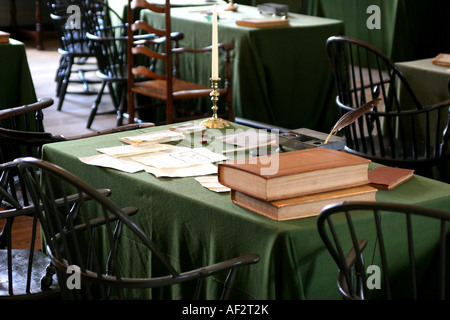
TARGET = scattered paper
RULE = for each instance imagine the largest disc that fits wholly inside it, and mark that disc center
(131, 150)
(192, 171)
(188, 128)
(183, 157)
(122, 164)
(153, 137)
(212, 183)
(249, 139)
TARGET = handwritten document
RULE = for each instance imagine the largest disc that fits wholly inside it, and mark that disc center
(183, 157)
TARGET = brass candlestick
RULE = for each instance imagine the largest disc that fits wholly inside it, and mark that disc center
(214, 121)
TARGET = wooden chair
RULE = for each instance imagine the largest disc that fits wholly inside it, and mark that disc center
(109, 44)
(77, 65)
(22, 131)
(22, 263)
(93, 245)
(398, 132)
(22, 134)
(164, 83)
(387, 250)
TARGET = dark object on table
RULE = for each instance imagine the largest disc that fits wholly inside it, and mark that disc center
(306, 138)
(273, 9)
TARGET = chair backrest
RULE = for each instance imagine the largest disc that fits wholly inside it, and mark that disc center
(157, 50)
(399, 131)
(22, 131)
(90, 242)
(107, 40)
(386, 250)
(22, 264)
(110, 46)
(70, 27)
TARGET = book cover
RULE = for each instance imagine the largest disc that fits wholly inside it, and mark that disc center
(387, 178)
(442, 59)
(294, 173)
(4, 37)
(263, 23)
(304, 206)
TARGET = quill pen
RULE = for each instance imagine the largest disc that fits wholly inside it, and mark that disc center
(351, 116)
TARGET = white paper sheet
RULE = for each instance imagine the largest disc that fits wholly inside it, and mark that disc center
(192, 171)
(212, 183)
(183, 157)
(132, 150)
(122, 164)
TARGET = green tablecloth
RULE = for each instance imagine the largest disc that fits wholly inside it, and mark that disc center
(281, 76)
(410, 29)
(16, 84)
(195, 226)
(428, 81)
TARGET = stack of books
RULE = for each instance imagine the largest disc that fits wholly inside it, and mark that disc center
(296, 184)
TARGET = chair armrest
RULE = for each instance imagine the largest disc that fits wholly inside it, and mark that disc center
(29, 108)
(224, 46)
(127, 127)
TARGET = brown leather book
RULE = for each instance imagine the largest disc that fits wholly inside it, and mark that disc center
(295, 173)
(4, 37)
(387, 178)
(263, 23)
(442, 59)
(302, 207)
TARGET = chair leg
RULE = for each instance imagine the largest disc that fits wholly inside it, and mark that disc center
(60, 75)
(95, 105)
(65, 83)
(123, 105)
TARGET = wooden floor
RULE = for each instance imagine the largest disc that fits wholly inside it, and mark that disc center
(70, 121)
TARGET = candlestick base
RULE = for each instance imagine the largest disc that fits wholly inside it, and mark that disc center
(231, 7)
(215, 122)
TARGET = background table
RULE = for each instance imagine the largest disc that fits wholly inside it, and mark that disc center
(16, 84)
(428, 81)
(195, 226)
(430, 84)
(410, 29)
(281, 76)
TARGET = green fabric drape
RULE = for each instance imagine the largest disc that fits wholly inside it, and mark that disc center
(16, 84)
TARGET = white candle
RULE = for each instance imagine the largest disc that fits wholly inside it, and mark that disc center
(215, 49)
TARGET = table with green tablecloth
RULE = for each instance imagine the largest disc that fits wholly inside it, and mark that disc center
(16, 84)
(428, 81)
(194, 226)
(281, 75)
(409, 29)
(430, 84)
